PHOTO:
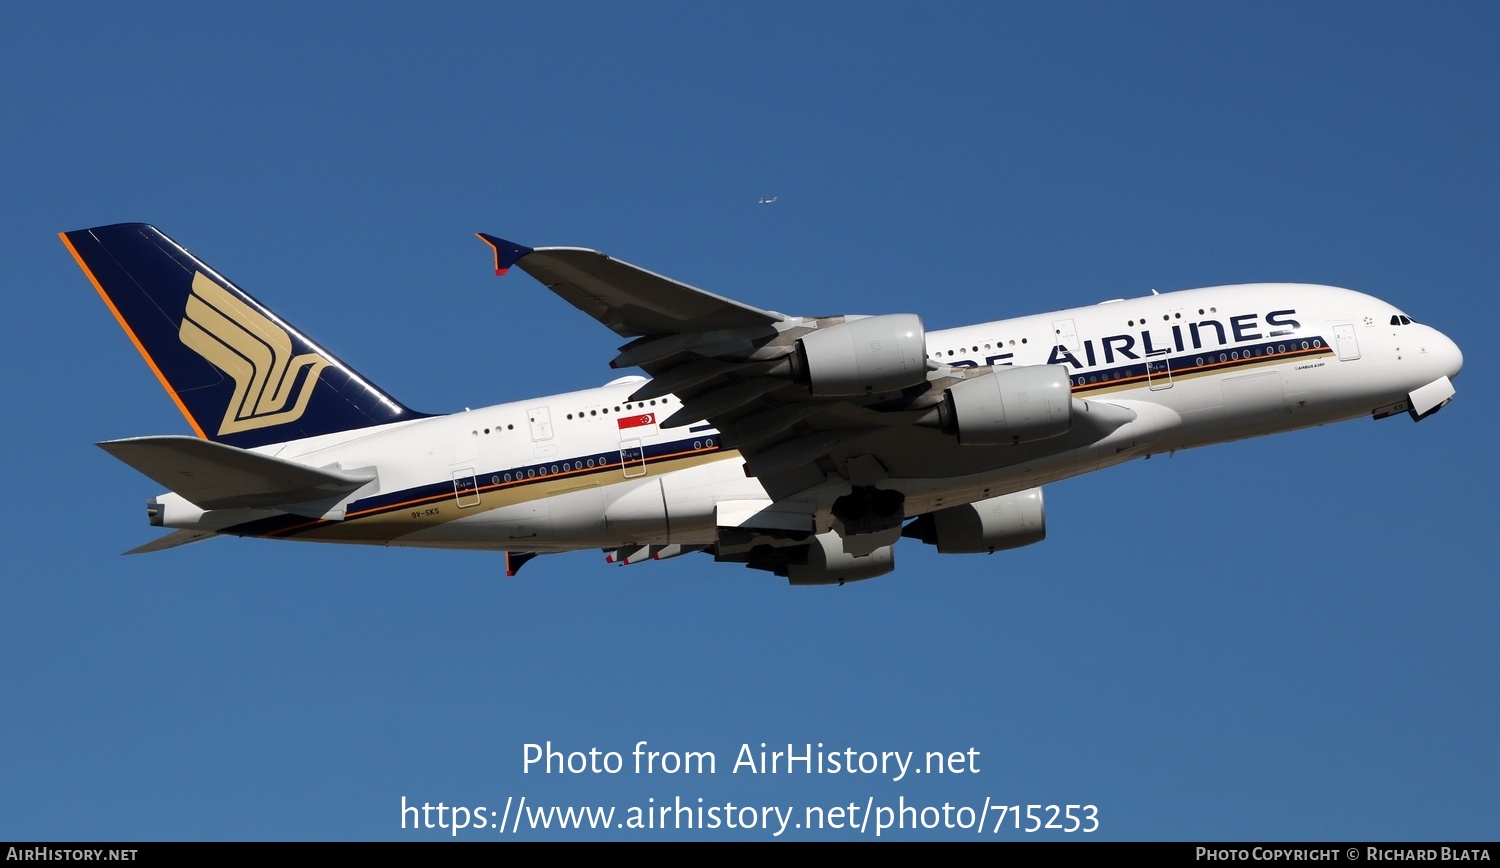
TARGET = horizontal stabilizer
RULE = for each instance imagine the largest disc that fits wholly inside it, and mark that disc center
(172, 541)
(215, 476)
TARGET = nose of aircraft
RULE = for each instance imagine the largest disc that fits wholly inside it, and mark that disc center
(1448, 354)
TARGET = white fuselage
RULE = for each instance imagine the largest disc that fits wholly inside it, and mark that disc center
(592, 469)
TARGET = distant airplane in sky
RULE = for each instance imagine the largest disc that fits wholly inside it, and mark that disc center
(803, 446)
(770, 201)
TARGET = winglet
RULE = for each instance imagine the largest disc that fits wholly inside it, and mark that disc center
(506, 252)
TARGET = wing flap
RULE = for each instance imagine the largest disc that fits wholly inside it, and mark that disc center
(172, 541)
(217, 476)
(763, 515)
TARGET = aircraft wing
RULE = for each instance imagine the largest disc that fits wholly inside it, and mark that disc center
(630, 300)
(846, 400)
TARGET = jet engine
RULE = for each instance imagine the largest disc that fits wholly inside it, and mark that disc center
(863, 356)
(1005, 522)
(1011, 405)
(823, 562)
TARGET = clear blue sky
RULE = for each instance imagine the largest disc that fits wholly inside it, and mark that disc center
(1289, 638)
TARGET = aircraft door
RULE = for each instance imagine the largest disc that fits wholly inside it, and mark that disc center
(1159, 371)
(465, 488)
(1066, 334)
(541, 423)
(1348, 344)
(632, 457)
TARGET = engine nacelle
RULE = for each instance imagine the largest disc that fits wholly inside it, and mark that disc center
(987, 526)
(827, 563)
(1012, 405)
(864, 356)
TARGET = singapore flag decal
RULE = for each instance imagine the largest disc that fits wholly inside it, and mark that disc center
(635, 421)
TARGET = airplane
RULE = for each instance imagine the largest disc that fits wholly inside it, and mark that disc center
(770, 201)
(802, 446)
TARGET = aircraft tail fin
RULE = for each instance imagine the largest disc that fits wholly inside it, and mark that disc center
(240, 374)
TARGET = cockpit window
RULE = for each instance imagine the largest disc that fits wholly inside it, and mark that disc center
(1400, 319)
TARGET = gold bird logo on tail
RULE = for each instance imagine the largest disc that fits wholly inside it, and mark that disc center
(254, 351)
